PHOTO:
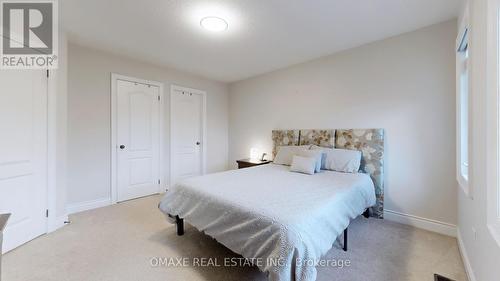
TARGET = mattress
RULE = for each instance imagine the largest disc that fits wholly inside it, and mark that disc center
(283, 220)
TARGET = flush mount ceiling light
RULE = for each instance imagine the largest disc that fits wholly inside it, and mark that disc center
(213, 24)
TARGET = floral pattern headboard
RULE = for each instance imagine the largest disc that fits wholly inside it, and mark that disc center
(369, 141)
(284, 137)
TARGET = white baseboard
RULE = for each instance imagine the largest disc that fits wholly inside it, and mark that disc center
(465, 257)
(424, 223)
(88, 205)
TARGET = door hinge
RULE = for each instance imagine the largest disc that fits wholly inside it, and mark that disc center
(47, 73)
(47, 213)
(158, 97)
(158, 181)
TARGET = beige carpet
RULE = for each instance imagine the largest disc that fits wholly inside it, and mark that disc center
(118, 243)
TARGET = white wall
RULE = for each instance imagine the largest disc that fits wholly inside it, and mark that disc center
(89, 75)
(404, 84)
(481, 251)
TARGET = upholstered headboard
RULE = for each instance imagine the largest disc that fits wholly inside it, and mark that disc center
(369, 141)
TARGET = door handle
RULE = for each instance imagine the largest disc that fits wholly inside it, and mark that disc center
(198, 143)
(122, 146)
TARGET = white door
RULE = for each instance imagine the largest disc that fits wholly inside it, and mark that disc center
(138, 140)
(186, 134)
(23, 154)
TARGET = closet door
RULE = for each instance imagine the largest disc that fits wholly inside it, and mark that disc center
(186, 134)
(138, 140)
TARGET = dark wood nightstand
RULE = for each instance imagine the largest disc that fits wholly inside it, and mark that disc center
(245, 163)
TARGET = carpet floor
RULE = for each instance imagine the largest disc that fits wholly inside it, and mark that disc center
(127, 241)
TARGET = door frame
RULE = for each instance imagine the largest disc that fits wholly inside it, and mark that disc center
(54, 94)
(203, 127)
(114, 122)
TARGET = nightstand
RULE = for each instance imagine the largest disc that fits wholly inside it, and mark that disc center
(245, 163)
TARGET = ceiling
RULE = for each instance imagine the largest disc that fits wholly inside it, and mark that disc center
(263, 35)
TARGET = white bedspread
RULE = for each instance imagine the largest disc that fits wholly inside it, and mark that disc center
(271, 215)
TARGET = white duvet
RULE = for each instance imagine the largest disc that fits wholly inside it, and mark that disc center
(282, 220)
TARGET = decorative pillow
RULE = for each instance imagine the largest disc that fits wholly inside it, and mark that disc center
(343, 160)
(316, 154)
(285, 154)
(305, 165)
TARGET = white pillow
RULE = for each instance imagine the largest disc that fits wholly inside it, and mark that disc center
(325, 150)
(316, 154)
(285, 154)
(343, 160)
(305, 165)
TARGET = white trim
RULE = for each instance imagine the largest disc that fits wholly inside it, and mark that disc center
(492, 121)
(52, 220)
(87, 205)
(114, 78)
(462, 181)
(204, 128)
(495, 232)
(423, 223)
(114, 196)
(465, 257)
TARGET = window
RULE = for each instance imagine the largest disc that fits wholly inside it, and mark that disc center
(463, 110)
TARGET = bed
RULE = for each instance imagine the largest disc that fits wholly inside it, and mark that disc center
(282, 221)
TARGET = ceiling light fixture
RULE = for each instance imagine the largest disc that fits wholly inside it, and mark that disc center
(214, 24)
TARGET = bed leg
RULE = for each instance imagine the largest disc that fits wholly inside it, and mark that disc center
(366, 214)
(345, 240)
(180, 225)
